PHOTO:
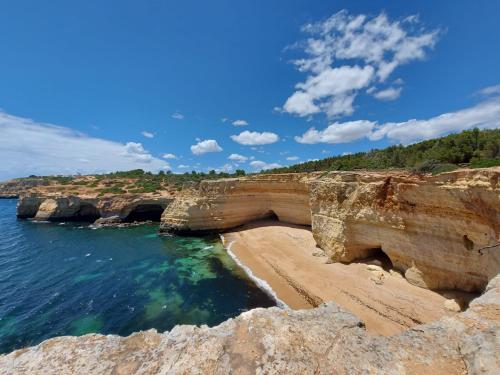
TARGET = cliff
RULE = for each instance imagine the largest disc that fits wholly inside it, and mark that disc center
(123, 207)
(16, 187)
(223, 204)
(440, 231)
(325, 340)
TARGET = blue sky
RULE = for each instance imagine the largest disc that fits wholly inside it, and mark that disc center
(96, 86)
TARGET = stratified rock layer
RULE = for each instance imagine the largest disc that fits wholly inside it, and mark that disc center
(223, 204)
(325, 340)
(59, 208)
(440, 231)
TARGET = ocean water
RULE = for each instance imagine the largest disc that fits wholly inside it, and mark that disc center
(69, 279)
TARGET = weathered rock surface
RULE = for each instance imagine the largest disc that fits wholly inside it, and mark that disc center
(65, 208)
(223, 204)
(440, 231)
(325, 340)
(14, 188)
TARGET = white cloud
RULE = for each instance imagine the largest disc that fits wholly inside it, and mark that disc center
(238, 158)
(391, 93)
(228, 168)
(491, 90)
(240, 123)
(169, 156)
(337, 132)
(203, 147)
(261, 165)
(371, 49)
(485, 115)
(177, 116)
(224, 119)
(29, 147)
(248, 138)
(292, 158)
(183, 166)
(147, 134)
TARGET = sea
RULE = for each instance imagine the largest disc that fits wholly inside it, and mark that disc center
(72, 279)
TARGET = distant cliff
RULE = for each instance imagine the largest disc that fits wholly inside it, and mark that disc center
(14, 188)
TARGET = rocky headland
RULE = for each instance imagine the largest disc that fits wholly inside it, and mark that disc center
(438, 232)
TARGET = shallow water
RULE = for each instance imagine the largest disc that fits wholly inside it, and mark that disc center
(69, 279)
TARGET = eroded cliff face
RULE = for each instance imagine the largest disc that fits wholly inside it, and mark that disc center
(61, 208)
(325, 340)
(440, 231)
(223, 204)
(437, 230)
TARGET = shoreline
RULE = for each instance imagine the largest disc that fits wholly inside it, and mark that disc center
(261, 283)
(278, 257)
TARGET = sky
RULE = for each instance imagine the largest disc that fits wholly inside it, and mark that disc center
(99, 86)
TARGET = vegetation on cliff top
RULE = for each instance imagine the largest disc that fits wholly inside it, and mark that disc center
(474, 148)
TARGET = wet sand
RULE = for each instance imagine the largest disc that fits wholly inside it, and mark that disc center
(281, 254)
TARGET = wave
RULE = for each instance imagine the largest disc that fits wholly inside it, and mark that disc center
(262, 284)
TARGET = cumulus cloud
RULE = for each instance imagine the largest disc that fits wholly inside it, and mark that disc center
(484, 115)
(177, 116)
(203, 147)
(237, 158)
(147, 134)
(292, 158)
(169, 156)
(30, 147)
(391, 93)
(345, 54)
(240, 123)
(183, 166)
(338, 132)
(261, 165)
(248, 138)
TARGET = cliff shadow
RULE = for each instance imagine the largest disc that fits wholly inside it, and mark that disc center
(145, 212)
(376, 256)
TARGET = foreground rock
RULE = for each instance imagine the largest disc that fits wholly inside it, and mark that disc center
(441, 232)
(325, 340)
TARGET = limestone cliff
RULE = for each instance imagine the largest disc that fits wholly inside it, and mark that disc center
(223, 204)
(60, 208)
(441, 231)
(325, 340)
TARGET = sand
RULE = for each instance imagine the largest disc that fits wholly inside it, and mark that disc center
(281, 254)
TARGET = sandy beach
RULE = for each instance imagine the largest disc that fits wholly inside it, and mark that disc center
(282, 255)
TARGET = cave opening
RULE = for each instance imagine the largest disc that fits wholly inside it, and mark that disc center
(271, 215)
(379, 257)
(145, 212)
(87, 212)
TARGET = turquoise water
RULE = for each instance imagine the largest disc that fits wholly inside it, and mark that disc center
(68, 279)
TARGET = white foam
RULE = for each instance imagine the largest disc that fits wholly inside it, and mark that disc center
(262, 284)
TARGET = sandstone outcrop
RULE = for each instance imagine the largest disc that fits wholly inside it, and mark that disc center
(122, 207)
(15, 188)
(441, 232)
(325, 340)
(223, 204)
